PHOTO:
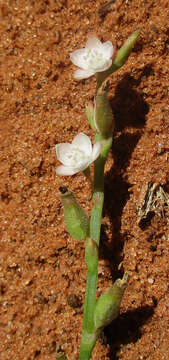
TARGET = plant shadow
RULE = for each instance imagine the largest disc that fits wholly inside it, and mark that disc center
(126, 328)
(128, 105)
(117, 193)
(130, 110)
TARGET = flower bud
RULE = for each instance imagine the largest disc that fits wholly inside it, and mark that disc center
(108, 304)
(124, 52)
(76, 220)
(103, 116)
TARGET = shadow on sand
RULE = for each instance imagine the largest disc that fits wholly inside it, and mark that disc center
(130, 110)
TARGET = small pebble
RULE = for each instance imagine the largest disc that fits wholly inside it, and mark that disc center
(150, 281)
(73, 301)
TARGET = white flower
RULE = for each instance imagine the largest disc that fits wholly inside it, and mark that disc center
(95, 57)
(76, 156)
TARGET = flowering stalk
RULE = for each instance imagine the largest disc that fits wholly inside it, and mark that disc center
(95, 58)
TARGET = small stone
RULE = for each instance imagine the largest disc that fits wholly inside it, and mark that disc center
(73, 301)
(150, 280)
(52, 299)
(2, 289)
(39, 298)
(57, 37)
(38, 86)
(27, 282)
(55, 77)
(153, 248)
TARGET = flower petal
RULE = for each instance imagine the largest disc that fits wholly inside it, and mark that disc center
(82, 141)
(108, 49)
(78, 58)
(62, 151)
(66, 171)
(81, 74)
(106, 66)
(96, 150)
(93, 42)
(84, 165)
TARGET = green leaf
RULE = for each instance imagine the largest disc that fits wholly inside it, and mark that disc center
(108, 304)
(76, 220)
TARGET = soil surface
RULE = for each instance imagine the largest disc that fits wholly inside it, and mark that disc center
(42, 269)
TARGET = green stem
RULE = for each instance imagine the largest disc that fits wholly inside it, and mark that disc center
(89, 335)
(98, 194)
(91, 257)
(87, 346)
(98, 199)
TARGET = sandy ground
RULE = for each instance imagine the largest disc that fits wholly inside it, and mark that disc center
(42, 269)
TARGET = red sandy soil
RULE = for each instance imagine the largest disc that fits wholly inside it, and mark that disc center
(42, 269)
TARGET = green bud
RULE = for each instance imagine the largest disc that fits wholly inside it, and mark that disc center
(76, 220)
(108, 304)
(91, 254)
(125, 50)
(90, 115)
(103, 116)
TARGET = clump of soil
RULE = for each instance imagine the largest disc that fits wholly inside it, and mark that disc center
(42, 269)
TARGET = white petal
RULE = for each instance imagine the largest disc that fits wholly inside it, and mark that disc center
(81, 74)
(65, 170)
(96, 150)
(108, 49)
(83, 142)
(61, 152)
(77, 58)
(93, 42)
(84, 165)
(106, 66)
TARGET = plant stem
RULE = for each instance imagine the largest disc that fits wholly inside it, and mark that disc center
(98, 199)
(89, 337)
(98, 195)
(86, 347)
